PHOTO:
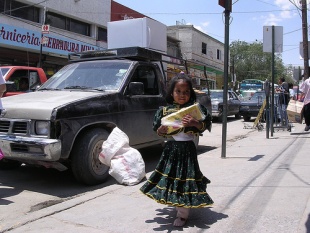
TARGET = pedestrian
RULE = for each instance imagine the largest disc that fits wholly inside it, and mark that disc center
(177, 180)
(284, 95)
(2, 84)
(291, 91)
(2, 89)
(24, 84)
(305, 88)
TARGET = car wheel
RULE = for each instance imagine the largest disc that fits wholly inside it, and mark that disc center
(7, 164)
(85, 163)
(246, 118)
(237, 116)
(220, 118)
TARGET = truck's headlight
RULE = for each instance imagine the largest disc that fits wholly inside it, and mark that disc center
(42, 127)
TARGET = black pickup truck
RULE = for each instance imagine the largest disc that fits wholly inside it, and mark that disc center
(64, 123)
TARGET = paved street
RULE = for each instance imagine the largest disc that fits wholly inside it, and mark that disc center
(263, 185)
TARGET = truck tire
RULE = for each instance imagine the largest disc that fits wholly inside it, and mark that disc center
(85, 164)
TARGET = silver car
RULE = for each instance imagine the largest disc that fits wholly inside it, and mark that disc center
(233, 104)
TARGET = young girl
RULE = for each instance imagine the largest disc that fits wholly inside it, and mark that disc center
(177, 180)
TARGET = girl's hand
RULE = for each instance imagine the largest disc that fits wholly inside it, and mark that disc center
(162, 130)
(188, 121)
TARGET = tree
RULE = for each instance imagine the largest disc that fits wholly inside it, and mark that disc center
(248, 60)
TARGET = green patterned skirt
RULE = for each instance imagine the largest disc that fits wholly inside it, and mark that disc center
(177, 179)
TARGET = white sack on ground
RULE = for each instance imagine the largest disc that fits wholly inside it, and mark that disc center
(126, 163)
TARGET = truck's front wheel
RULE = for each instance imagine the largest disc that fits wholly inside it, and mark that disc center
(85, 163)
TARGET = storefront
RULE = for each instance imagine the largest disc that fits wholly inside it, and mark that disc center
(20, 46)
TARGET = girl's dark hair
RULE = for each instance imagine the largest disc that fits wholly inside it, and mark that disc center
(174, 80)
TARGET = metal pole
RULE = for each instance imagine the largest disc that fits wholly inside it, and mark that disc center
(305, 38)
(225, 91)
(41, 44)
(267, 92)
(272, 84)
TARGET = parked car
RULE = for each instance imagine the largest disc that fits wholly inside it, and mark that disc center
(250, 108)
(233, 104)
(22, 79)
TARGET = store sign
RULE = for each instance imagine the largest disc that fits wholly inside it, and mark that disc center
(26, 39)
(200, 74)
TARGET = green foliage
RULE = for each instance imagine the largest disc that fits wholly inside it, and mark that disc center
(248, 61)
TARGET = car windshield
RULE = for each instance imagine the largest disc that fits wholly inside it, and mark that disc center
(216, 94)
(96, 75)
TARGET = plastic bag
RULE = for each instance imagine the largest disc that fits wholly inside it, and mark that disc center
(126, 163)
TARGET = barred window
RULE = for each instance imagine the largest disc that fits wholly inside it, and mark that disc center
(102, 34)
(204, 48)
(66, 23)
(20, 10)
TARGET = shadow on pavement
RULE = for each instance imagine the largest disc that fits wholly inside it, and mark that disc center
(201, 218)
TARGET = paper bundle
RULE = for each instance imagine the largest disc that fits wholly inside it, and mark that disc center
(174, 120)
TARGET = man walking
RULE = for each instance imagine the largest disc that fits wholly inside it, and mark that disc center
(305, 88)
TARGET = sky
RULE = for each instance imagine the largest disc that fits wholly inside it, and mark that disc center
(247, 19)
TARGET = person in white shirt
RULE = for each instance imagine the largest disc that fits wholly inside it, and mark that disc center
(305, 88)
(2, 84)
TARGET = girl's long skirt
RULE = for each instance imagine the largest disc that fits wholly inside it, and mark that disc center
(177, 179)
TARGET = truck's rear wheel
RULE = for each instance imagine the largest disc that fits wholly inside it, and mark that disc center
(85, 163)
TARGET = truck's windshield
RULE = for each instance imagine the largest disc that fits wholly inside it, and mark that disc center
(98, 75)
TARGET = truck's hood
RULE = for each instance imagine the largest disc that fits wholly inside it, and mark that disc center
(40, 104)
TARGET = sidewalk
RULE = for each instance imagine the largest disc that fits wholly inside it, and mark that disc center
(263, 185)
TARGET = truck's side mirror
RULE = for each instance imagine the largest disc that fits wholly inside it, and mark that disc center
(136, 88)
(10, 86)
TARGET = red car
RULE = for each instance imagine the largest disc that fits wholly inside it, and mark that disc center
(22, 79)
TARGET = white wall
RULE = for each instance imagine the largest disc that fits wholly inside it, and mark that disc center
(91, 11)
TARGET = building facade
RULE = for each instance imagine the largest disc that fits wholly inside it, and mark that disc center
(42, 34)
(73, 26)
(198, 47)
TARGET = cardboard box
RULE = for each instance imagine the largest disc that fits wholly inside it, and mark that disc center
(294, 111)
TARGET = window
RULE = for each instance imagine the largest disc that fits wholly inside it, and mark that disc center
(19, 10)
(219, 54)
(147, 76)
(204, 48)
(102, 34)
(66, 23)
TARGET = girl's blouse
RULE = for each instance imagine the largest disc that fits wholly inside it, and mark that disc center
(164, 111)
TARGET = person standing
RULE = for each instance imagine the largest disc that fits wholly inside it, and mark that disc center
(291, 91)
(2, 84)
(2, 89)
(177, 180)
(305, 88)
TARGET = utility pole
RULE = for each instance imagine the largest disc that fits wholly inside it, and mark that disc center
(41, 41)
(227, 4)
(305, 38)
